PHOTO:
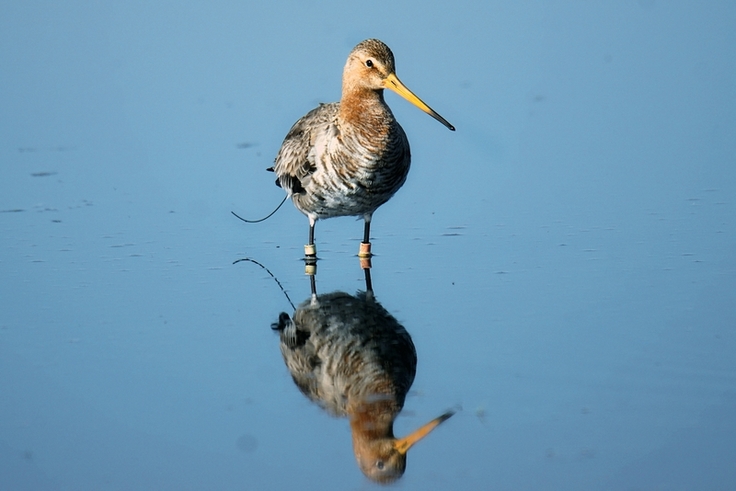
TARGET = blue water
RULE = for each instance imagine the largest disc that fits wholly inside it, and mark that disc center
(565, 262)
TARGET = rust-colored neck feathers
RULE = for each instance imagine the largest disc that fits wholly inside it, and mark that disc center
(366, 69)
(373, 421)
(365, 108)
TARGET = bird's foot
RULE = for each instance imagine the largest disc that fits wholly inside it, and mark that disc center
(365, 250)
(310, 259)
(310, 266)
(310, 251)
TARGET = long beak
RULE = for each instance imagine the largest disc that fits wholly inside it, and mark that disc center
(392, 82)
(404, 444)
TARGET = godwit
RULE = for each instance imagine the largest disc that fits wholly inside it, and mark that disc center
(348, 158)
(354, 359)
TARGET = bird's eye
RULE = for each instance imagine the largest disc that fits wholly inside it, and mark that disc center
(369, 63)
(379, 465)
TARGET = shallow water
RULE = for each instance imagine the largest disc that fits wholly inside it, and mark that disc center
(565, 262)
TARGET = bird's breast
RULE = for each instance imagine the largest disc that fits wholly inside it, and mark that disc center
(355, 172)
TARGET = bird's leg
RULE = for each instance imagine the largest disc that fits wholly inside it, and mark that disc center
(365, 246)
(368, 282)
(310, 250)
(313, 286)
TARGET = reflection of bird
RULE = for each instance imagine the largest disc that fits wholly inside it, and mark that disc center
(349, 157)
(350, 356)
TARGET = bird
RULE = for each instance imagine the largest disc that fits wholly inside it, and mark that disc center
(348, 158)
(350, 356)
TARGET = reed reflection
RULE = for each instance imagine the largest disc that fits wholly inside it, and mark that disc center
(349, 355)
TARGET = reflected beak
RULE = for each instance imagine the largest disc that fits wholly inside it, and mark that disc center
(393, 83)
(402, 445)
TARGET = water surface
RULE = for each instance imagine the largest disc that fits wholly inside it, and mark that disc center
(565, 261)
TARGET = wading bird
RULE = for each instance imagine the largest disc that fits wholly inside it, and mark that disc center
(350, 356)
(348, 158)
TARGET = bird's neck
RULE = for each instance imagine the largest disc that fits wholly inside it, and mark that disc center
(374, 420)
(364, 108)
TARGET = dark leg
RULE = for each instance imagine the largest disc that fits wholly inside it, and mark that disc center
(365, 246)
(368, 282)
(310, 251)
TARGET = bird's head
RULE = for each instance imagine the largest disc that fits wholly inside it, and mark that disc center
(383, 460)
(371, 66)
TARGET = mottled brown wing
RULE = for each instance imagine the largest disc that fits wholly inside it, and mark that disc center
(292, 165)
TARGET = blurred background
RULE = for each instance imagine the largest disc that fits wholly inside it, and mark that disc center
(565, 261)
